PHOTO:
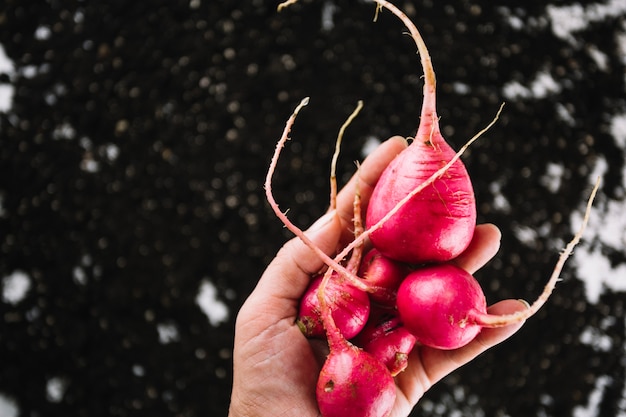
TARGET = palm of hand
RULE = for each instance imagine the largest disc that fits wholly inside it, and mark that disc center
(282, 366)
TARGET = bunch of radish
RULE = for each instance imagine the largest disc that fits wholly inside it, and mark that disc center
(393, 288)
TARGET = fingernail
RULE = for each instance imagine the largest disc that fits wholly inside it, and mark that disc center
(526, 304)
(401, 139)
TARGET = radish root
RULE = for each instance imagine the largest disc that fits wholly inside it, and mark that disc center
(334, 264)
(488, 320)
(333, 165)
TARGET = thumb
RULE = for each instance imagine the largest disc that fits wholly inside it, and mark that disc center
(289, 274)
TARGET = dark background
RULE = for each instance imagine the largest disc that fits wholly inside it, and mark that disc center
(131, 169)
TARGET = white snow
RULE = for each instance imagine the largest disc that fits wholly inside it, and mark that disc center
(593, 403)
(600, 58)
(215, 309)
(6, 90)
(541, 87)
(328, 15)
(500, 202)
(168, 333)
(568, 19)
(618, 130)
(596, 271)
(597, 339)
(15, 287)
(43, 33)
(55, 389)
(8, 406)
(553, 177)
(606, 231)
(371, 143)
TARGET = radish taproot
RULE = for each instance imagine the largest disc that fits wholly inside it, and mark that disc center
(436, 224)
(352, 382)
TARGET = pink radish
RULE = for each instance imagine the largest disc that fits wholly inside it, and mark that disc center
(352, 382)
(436, 224)
(383, 273)
(349, 307)
(387, 339)
(442, 306)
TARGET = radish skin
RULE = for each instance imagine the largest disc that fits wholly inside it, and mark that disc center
(349, 306)
(438, 305)
(352, 382)
(437, 224)
(383, 273)
(387, 339)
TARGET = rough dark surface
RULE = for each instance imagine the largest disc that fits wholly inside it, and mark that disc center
(134, 150)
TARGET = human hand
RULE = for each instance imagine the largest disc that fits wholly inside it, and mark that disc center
(276, 367)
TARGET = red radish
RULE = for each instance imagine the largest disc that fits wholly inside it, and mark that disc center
(387, 339)
(383, 273)
(436, 224)
(349, 306)
(441, 306)
(352, 382)
(444, 307)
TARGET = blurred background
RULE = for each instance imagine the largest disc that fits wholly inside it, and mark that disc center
(134, 141)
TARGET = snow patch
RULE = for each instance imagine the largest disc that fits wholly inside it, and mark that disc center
(553, 177)
(168, 333)
(566, 20)
(6, 90)
(15, 287)
(500, 202)
(606, 233)
(618, 130)
(596, 271)
(215, 309)
(593, 403)
(8, 406)
(371, 143)
(595, 338)
(328, 15)
(544, 85)
(599, 57)
(55, 389)
(43, 33)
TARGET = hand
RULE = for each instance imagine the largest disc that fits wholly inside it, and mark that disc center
(276, 367)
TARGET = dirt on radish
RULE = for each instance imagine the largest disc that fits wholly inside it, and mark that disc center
(374, 308)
